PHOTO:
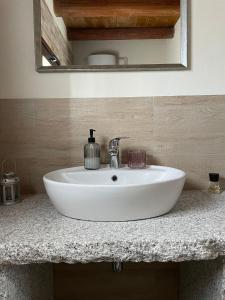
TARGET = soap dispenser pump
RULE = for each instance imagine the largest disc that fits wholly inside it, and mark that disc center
(92, 153)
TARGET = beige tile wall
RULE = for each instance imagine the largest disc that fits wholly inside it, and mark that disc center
(46, 134)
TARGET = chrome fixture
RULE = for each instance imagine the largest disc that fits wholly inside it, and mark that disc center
(117, 267)
(114, 152)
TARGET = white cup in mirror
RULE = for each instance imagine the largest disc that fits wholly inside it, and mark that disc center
(106, 59)
(123, 60)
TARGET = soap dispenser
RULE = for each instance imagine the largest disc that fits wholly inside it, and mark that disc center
(92, 153)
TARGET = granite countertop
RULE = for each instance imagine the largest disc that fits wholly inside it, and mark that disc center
(34, 232)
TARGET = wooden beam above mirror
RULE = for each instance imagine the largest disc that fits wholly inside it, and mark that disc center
(119, 14)
(93, 9)
(81, 34)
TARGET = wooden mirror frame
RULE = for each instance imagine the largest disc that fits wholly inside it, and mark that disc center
(117, 68)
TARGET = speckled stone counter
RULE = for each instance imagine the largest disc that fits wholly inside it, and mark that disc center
(33, 231)
(193, 233)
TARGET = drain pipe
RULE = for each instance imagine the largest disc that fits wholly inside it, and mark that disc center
(117, 267)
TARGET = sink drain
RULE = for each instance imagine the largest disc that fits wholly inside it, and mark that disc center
(114, 178)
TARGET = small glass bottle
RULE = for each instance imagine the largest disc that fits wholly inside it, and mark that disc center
(214, 183)
(91, 153)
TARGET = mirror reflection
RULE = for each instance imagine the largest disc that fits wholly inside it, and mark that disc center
(110, 33)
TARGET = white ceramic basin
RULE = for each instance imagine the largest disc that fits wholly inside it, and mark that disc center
(134, 194)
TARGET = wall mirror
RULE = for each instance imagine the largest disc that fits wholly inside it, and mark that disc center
(110, 35)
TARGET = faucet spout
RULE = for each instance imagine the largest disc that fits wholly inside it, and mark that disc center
(114, 152)
(114, 158)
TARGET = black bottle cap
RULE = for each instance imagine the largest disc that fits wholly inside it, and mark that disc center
(214, 177)
(91, 139)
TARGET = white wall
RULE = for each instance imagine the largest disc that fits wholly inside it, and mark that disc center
(152, 51)
(19, 79)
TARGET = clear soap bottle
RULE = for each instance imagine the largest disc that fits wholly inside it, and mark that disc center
(91, 153)
(214, 183)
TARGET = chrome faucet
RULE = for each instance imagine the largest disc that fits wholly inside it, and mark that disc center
(114, 152)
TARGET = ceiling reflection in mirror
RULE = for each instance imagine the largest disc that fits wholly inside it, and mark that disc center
(88, 34)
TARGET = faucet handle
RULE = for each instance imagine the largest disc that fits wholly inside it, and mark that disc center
(114, 143)
(123, 138)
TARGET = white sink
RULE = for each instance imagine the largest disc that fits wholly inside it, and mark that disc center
(134, 194)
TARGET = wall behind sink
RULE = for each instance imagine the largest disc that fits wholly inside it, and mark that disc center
(43, 133)
(47, 134)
